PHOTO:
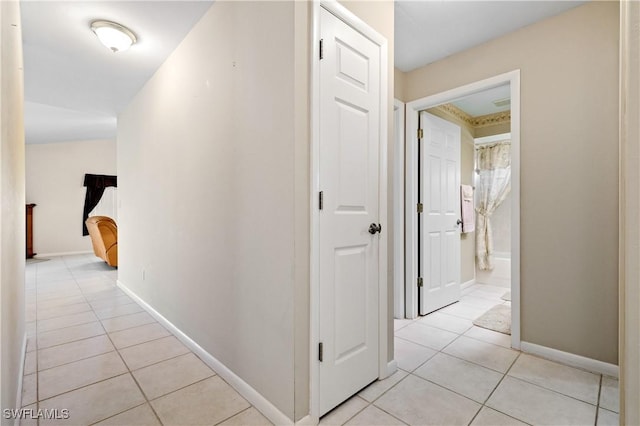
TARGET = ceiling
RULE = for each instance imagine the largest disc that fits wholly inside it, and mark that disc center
(427, 31)
(482, 103)
(75, 87)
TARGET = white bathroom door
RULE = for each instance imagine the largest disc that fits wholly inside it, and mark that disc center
(439, 242)
(349, 180)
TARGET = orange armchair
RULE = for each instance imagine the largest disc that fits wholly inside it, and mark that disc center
(104, 237)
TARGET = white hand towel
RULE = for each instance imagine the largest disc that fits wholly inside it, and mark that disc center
(468, 216)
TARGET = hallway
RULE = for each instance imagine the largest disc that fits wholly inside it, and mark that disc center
(95, 352)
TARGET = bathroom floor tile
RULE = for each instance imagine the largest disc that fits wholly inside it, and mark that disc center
(535, 405)
(463, 377)
(463, 310)
(489, 336)
(485, 354)
(375, 389)
(410, 355)
(418, 402)
(343, 412)
(373, 416)
(399, 323)
(490, 417)
(447, 322)
(422, 334)
(569, 381)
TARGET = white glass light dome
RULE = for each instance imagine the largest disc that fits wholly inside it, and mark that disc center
(115, 37)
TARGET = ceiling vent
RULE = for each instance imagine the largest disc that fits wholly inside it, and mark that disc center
(502, 102)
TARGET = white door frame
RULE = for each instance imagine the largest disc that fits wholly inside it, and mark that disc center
(398, 205)
(411, 191)
(359, 25)
(629, 234)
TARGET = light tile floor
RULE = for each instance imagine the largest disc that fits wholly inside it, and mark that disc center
(95, 352)
(92, 350)
(454, 373)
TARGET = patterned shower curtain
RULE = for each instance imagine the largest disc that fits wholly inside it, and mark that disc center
(493, 168)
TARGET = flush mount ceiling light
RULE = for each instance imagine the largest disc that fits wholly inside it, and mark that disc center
(116, 37)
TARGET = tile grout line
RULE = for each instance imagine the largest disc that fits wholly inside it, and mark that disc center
(598, 399)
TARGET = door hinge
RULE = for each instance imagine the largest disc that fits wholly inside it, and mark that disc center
(320, 200)
(320, 352)
(420, 208)
(420, 134)
(419, 281)
(321, 49)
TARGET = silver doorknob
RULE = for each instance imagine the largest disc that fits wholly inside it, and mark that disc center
(373, 228)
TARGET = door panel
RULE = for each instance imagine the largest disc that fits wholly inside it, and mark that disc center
(439, 232)
(349, 180)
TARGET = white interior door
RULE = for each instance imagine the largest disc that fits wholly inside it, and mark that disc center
(439, 242)
(349, 181)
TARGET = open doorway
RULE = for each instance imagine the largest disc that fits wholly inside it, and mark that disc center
(498, 117)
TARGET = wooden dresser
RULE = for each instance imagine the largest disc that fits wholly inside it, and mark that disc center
(30, 252)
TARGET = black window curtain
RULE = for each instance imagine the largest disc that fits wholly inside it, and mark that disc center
(95, 188)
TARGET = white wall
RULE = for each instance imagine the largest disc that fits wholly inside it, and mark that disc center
(12, 210)
(54, 181)
(206, 187)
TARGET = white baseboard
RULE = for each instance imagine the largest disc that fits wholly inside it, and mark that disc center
(573, 360)
(269, 410)
(23, 355)
(392, 367)
(467, 284)
(63, 253)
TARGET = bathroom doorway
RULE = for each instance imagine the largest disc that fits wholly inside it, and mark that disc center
(487, 113)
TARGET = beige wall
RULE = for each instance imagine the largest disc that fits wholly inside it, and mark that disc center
(569, 170)
(12, 215)
(398, 84)
(206, 163)
(54, 178)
